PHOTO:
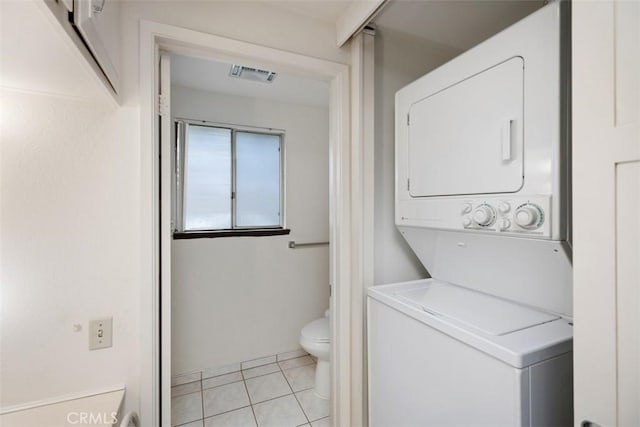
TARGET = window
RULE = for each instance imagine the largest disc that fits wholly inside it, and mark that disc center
(228, 179)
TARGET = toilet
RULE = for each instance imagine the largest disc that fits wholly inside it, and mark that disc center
(315, 340)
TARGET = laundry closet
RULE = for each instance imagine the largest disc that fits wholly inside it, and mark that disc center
(482, 198)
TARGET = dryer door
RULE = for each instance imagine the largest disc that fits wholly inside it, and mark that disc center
(468, 138)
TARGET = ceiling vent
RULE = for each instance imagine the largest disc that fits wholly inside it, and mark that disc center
(253, 74)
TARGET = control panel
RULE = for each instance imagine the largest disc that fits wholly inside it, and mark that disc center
(503, 217)
(491, 214)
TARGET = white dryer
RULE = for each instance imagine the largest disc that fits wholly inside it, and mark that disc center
(483, 199)
(482, 164)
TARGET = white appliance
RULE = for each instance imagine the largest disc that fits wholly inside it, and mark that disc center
(480, 141)
(444, 355)
(482, 198)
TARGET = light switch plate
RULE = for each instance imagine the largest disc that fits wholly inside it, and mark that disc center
(100, 333)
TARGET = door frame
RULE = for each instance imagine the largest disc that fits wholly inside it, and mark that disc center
(363, 195)
(344, 248)
(606, 154)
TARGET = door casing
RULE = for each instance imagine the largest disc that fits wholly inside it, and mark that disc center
(155, 386)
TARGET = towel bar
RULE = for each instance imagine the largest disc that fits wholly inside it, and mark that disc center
(293, 244)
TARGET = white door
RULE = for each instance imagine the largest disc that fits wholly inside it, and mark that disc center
(467, 138)
(164, 111)
(606, 197)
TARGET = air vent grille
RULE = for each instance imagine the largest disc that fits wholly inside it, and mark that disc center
(251, 73)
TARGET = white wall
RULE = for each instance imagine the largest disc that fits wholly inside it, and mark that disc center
(70, 192)
(68, 218)
(259, 22)
(238, 298)
(69, 201)
(399, 59)
(69, 226)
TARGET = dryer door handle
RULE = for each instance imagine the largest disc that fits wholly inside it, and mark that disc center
(508, 133)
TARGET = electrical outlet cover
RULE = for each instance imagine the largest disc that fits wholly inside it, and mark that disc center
(100, 333)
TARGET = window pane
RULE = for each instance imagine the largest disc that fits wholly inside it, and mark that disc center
(257, 180)
(207, 178)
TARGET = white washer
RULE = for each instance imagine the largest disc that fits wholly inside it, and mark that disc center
(464, 358)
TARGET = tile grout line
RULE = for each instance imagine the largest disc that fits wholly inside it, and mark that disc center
(273, 398)
(244, 381)
(225, 412)
(222, 385)
(242, 407)
(300, 391)
(294, 395)
(320, 419)
(242, 374)
(202, 377)
(302, 409)
(201, 402)
(202, 398)
(201, 372)
(187, 423)
(234, 382)
(251, 404)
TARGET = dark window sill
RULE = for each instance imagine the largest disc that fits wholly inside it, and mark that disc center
(255, 232)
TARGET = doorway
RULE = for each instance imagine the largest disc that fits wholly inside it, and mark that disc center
(156, 179)
(250, 247)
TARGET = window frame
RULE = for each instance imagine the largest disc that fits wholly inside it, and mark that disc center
(181, 129)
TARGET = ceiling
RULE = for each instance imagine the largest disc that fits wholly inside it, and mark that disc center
(212, 76)
(457, 24)
(328, 11)
(454, 24)
(37, 57)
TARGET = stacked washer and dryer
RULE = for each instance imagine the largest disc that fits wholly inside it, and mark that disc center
(483, 199)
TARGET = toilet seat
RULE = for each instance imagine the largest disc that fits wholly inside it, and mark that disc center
(317, 331)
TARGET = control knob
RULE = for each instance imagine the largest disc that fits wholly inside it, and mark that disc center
(504, 224)
(529, 216)
(504, 207)
(484, 215)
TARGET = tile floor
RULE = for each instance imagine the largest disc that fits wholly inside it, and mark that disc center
(274, 391)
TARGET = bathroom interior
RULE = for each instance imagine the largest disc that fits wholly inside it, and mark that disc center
(236, 317)
(249, 271)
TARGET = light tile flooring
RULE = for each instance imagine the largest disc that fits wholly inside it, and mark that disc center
(275, 391)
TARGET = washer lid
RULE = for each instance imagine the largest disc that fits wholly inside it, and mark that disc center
(317, 331)
(475, 310)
